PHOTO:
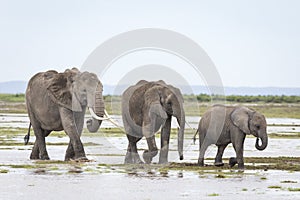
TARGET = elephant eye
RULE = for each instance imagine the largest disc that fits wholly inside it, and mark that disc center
(257, 126)
(169, 103)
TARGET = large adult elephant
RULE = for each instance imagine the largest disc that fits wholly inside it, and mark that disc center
(57, 101)
(238, 122)
(146, 107)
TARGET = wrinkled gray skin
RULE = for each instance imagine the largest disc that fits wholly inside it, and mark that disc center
(57, 101)
(146, 107)
(239, 122)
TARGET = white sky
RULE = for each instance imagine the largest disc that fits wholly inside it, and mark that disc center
(252, 43)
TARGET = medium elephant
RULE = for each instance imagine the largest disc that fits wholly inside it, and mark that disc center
(57, 101)
(222, 125)
(146, 107)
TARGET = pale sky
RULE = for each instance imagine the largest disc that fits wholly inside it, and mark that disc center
(252, 43)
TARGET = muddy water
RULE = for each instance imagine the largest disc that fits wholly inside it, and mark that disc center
(105, 177)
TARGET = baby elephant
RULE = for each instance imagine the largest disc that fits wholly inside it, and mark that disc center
(221, 125)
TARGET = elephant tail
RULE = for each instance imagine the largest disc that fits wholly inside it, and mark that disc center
(194, 138)
(26, 138)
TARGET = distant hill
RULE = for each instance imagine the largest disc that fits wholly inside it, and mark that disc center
(15, 87)
(109, 89)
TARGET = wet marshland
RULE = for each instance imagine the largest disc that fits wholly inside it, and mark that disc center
(274, 172)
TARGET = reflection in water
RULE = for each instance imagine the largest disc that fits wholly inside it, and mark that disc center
(147, 171)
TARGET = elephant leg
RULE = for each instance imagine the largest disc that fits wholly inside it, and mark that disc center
(164, 141)
(128, 157)
(240, 158)
(42, 149)
(239, 149)
(79, 153)
(149, 154)
(35, 153)
(39, 150)
(232, 161)
(70, 154)
(41, 143)
(132, 155)
(71, 130)
(203, 144)
(218, 159)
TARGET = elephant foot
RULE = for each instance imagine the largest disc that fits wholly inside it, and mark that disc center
(232, 161)
(133, 158)
(201, 162)
(70, 156)
(128, 160)
(219, 164)
(241, 166)
(163, 158)
(44, 157)
(148, 155)
(133, 161)
(34, 157)
(138, 161)
(163, 162)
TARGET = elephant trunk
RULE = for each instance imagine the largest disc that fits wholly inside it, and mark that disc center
(98, 109)
(264, 141)
(181, 122)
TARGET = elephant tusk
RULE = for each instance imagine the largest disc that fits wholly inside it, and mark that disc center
(107, 117)
(113, 121)
(96, 116)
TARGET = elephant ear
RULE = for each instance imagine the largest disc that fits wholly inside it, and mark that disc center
(240, 118)
(153, 98)
(60, 91)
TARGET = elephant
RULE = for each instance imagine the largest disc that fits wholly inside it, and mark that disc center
(57, 101)
(146, 107)
(239, 121)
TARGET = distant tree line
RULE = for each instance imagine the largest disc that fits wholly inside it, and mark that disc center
(200, 98)
(250, 98)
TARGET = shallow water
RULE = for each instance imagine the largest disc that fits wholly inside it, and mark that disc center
(187, 185)
(105, 177)
(276, 125)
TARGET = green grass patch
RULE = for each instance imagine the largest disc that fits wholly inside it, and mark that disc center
(220, 175)
(213, 195)
(288, 181)
(294, 189)
(4, 171)
(251, 163)
(275, 187)
(111, 132)
(23, 166)
(51, 162)
(282, 135)
(195, 105)
(12, 98)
